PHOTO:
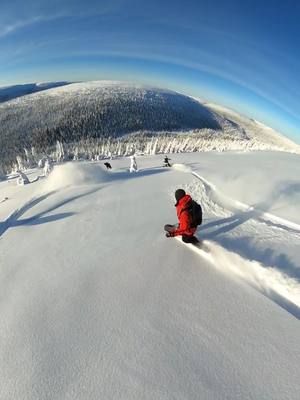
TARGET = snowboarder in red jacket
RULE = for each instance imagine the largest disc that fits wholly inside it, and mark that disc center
(183, 203)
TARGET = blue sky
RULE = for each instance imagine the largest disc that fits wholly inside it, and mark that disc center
(240, 54)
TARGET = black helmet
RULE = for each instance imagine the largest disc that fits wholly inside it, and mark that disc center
(179, 194)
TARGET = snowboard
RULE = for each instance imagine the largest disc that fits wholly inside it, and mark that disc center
(195, 243)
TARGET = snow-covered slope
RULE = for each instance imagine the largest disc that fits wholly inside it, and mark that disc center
(103, 117)
(11, 92)
(97, 303)
(91, 111)
(106, 108)
(256, 131)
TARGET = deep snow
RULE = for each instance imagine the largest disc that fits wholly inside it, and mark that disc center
(97, 303)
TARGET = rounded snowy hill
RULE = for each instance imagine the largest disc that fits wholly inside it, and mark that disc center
(104, 108)
(83, 116)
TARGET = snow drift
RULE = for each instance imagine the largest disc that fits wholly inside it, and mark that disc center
(75, 174)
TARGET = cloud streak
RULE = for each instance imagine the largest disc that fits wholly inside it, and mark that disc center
(43, 11)
(11, 28)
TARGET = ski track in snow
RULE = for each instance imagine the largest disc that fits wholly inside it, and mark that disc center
(283, 287)
(235, 205)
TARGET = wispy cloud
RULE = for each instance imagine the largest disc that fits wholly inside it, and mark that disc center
(17, 25)
(53, 10)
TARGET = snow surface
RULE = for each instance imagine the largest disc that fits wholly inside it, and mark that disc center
(97, 303)
(12, 92)
(255, 130)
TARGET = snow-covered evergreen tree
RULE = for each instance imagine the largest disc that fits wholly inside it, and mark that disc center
(48, 167)
(133, 164)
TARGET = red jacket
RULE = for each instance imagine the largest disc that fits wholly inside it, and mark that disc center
(184, 218)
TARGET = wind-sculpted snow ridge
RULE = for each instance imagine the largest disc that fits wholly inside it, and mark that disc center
(231, 254)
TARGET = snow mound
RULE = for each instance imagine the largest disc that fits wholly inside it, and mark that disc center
(74, 174)
(182, 168)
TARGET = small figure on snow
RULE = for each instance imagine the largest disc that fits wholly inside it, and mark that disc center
(22, 179)
(48, 167)
(189, 215)
(107, 164)
(166, 161)
(133, 164)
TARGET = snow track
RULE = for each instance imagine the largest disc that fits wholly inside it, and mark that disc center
(274, 275)
(217, 197)
(235, 205)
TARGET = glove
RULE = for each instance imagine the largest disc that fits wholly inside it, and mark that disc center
(169, 234)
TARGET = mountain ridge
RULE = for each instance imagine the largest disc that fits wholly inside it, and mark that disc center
(12, 92)
(98, 118)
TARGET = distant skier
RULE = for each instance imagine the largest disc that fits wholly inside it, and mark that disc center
(107, 164)
(48, 167)
(22, 179)
(189, 215)
(133, 164)
(166, 161)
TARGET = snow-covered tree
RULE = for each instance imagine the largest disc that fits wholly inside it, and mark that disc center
(48, 167)
(21, 163)
(133, 164)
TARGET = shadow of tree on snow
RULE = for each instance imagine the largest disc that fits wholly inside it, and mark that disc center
(40, 218)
